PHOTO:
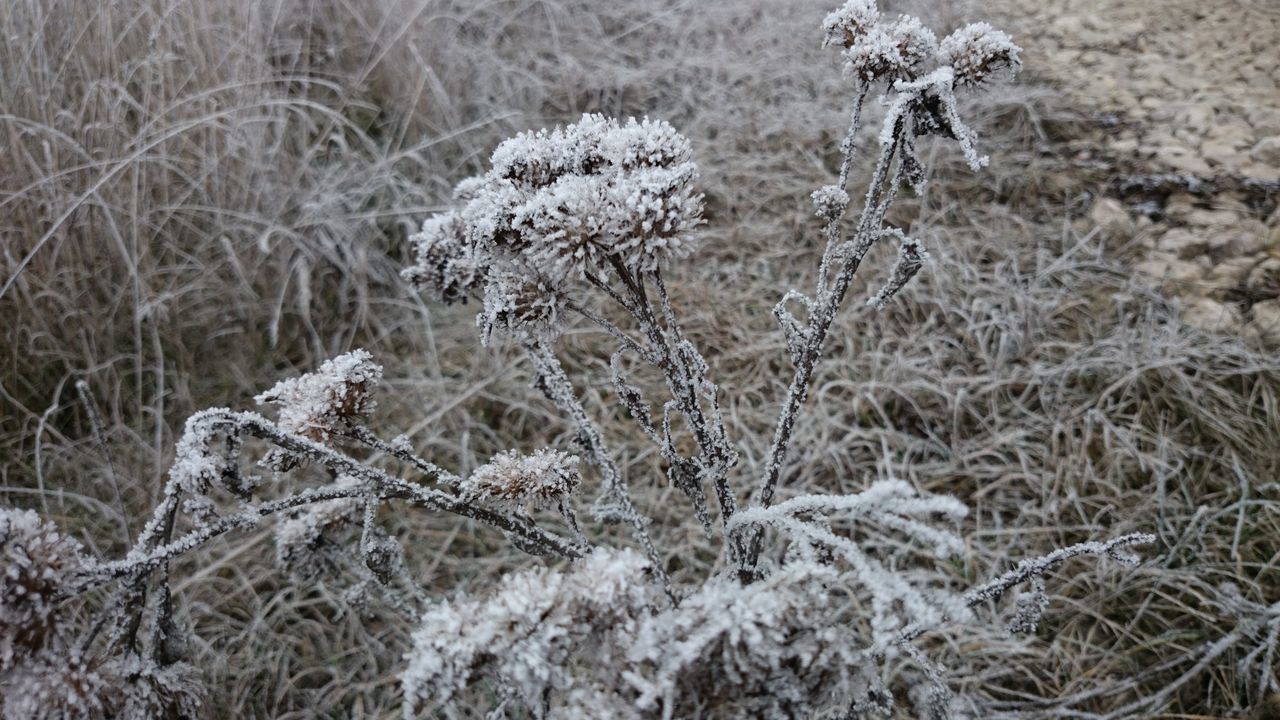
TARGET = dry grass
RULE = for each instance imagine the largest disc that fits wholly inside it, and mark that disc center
(203, 195)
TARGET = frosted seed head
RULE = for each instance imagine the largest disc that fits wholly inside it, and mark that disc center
(576, 198)
(36, 564)
(830, 202)
(443, 261)
(321, 404)
(980, 53)
(522, 305)
(516, 482)
(62, 686)
(889, 52)
(847, 25)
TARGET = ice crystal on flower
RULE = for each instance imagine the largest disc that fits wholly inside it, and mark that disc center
(321, 404)
(442, 260)
(522, 305)
(515, 481)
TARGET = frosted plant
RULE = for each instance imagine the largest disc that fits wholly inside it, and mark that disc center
(516, 482)
(818, 604)
(37, 562)
(318, 405)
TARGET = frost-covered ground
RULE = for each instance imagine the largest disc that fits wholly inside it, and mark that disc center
(203, 197)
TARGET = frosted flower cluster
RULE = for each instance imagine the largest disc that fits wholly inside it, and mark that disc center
(830, 201)
(514, 481)
(978, 53)
(888, 52)
(599, 640)
(922, 74)
(771, 649)
(591, 197)
(36, 562)
(529, 634)
(322, 404)
(879, 51)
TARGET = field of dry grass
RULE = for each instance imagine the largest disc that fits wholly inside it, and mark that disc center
(202, 196)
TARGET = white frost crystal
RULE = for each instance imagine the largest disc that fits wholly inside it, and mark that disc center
(527, 631)
(829, 201)
(319, 405)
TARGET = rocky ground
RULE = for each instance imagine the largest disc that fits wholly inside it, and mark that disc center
(1186, 97)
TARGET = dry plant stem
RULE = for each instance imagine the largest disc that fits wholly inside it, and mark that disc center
(364, 435)
(847, 147)
(100, 435)
(815, 332)
(148, 555)
(560, 390)
(712, 438)
(1035, 567)
(683, 381)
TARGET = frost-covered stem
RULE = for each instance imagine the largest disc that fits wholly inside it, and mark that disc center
(1028, 569)
(815, 334)
(847, 146)
(711, 435)
(366, 436)
(147, 556)
(561, 391)
(624, 339)
(682, 381)
(1036, 567)
(147, 560)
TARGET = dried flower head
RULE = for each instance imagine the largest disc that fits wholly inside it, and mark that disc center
(319, 405)
(526, 306)
(60, 686)
(978, 53)
(36, 563)
(889, 52)
(443, 261)
(830, 201)
(591, 193)
(847, 25)
(511, 480)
